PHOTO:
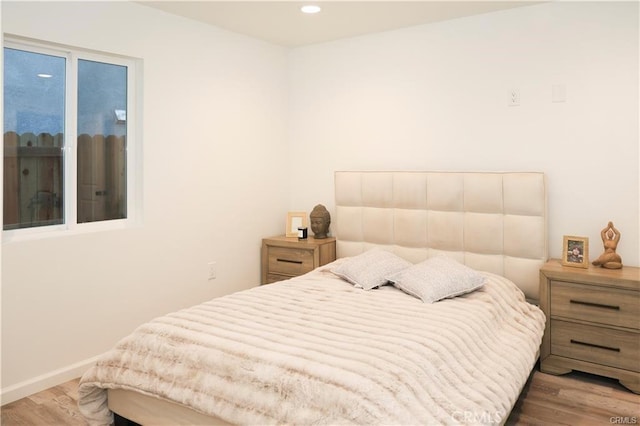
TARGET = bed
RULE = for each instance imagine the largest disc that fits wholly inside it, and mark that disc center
(323, 348)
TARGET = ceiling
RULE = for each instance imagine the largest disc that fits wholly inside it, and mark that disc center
(282, 23)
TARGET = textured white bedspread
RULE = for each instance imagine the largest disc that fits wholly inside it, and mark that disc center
(316, 350)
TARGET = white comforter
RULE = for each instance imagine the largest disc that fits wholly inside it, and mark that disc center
(316, 350)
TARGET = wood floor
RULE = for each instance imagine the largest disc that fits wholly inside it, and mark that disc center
(56, 406)
(575, 399)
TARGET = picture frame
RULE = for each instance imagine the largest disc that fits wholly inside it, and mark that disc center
(295, 220)
(575, 251)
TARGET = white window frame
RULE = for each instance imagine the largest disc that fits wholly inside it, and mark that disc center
(70, 226)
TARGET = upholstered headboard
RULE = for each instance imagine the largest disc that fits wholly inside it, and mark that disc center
(494, 222)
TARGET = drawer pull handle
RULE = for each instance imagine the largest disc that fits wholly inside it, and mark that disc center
(299, 262)
(595, 305)
(592, 345)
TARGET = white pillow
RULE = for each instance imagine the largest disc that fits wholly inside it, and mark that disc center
(371, 268)
(437, 278)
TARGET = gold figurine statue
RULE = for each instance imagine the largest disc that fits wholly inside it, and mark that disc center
(609, 259)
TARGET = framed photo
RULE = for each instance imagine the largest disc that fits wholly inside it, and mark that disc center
(294, 221)
(575, 251)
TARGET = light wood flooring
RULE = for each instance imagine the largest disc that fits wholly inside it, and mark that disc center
(56, 406)
(575, 399)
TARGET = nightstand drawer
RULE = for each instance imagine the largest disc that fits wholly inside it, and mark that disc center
(283, 257)
(595, 304)
(593, 321)
(272, 278)
(290, 261)
(605, 346)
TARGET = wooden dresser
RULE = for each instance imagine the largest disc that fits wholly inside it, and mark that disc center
(593, 321)
(285, 257)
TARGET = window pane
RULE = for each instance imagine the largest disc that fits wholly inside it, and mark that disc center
(102, 132)
(34, 88)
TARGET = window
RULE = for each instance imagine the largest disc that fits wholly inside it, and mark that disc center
(69, 142)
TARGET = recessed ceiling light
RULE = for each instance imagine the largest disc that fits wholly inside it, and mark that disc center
(310, 9)
(45, 75)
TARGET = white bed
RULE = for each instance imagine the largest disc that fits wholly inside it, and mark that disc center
(317, 350)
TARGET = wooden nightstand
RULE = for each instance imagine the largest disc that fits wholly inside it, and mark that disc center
(593, 321)
(284, 258)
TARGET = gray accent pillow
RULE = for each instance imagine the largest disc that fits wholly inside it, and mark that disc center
(437, 278)
(371, 268)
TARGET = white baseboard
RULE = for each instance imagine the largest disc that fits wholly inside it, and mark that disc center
(45, 381)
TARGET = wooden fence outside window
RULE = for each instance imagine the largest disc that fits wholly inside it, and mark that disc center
(34, 179)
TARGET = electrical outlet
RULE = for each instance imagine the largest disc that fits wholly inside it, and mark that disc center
(513, 97)
(212, 270)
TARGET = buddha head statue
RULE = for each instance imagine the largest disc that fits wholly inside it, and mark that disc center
(320, 220)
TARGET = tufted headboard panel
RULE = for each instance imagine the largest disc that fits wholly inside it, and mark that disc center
(494, 222)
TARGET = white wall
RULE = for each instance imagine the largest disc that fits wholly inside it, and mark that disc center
(434, 97)
(215, 182)
(237, 132)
